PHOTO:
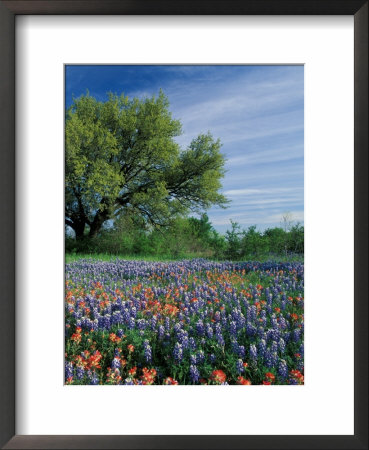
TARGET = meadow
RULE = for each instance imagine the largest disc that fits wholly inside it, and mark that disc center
(142, 322)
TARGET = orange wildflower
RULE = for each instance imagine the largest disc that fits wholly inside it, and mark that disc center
(270, 376)
(243, 381)
(218, 376)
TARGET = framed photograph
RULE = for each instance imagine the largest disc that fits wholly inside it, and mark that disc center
(160, 165)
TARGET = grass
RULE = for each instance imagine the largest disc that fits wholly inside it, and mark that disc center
(72, 257)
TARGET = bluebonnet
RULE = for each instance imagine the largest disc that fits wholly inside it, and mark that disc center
(261, 347)
(234, 345)
(251, 329)
(301, 350)
(281, 345)
(268, 359)
(253, 353)
(239, 366)
(147, 350)
(263, 318)
(282, 369)
(192, 343)
(141, 324)
(241, 351)
(274, 347)
(274, 334)
(80, 372)
(92, 377)
(252, 315)
(200, 328)
(200, 357)
(233, 328)
(120, 333)
(274, 322)
(296, 333)
(183, 339)
(194, 374)
(209, 331)
(167, 323)
(220, 339)
(274, 358)
(161, 331)
(178, 352)
(68, 370)
(282, 323)
(283, 302)
(107, 321)
(177, 329)
(115, 363)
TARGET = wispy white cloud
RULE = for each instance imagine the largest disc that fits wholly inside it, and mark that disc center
(276, 191)
(263, 221)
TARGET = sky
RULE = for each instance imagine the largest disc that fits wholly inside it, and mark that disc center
(257, 112)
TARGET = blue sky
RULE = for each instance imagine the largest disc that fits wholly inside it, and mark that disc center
(257, 112)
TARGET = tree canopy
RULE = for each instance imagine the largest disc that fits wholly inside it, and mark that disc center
(121, 154)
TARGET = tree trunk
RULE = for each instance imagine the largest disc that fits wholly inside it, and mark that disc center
(97, 224)
(79, 229)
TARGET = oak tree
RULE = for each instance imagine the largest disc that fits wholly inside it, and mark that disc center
(121, 154)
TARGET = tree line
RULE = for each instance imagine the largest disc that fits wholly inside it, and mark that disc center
(189, 237)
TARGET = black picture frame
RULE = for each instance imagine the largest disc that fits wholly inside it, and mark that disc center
(8, 12)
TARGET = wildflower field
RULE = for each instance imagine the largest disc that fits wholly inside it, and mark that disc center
(184, 322)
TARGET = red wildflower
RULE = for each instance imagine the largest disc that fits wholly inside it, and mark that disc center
(94, 360)
(218, 376)
(270, 376)
(298, 376)
(114, 338)
(170, 381)
(76, 337)
(133, 371)
(242, 380)
(113, 376)
(148, 376)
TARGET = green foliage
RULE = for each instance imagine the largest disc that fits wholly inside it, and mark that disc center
(191, 237)
(233, 239)
(121, 155)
